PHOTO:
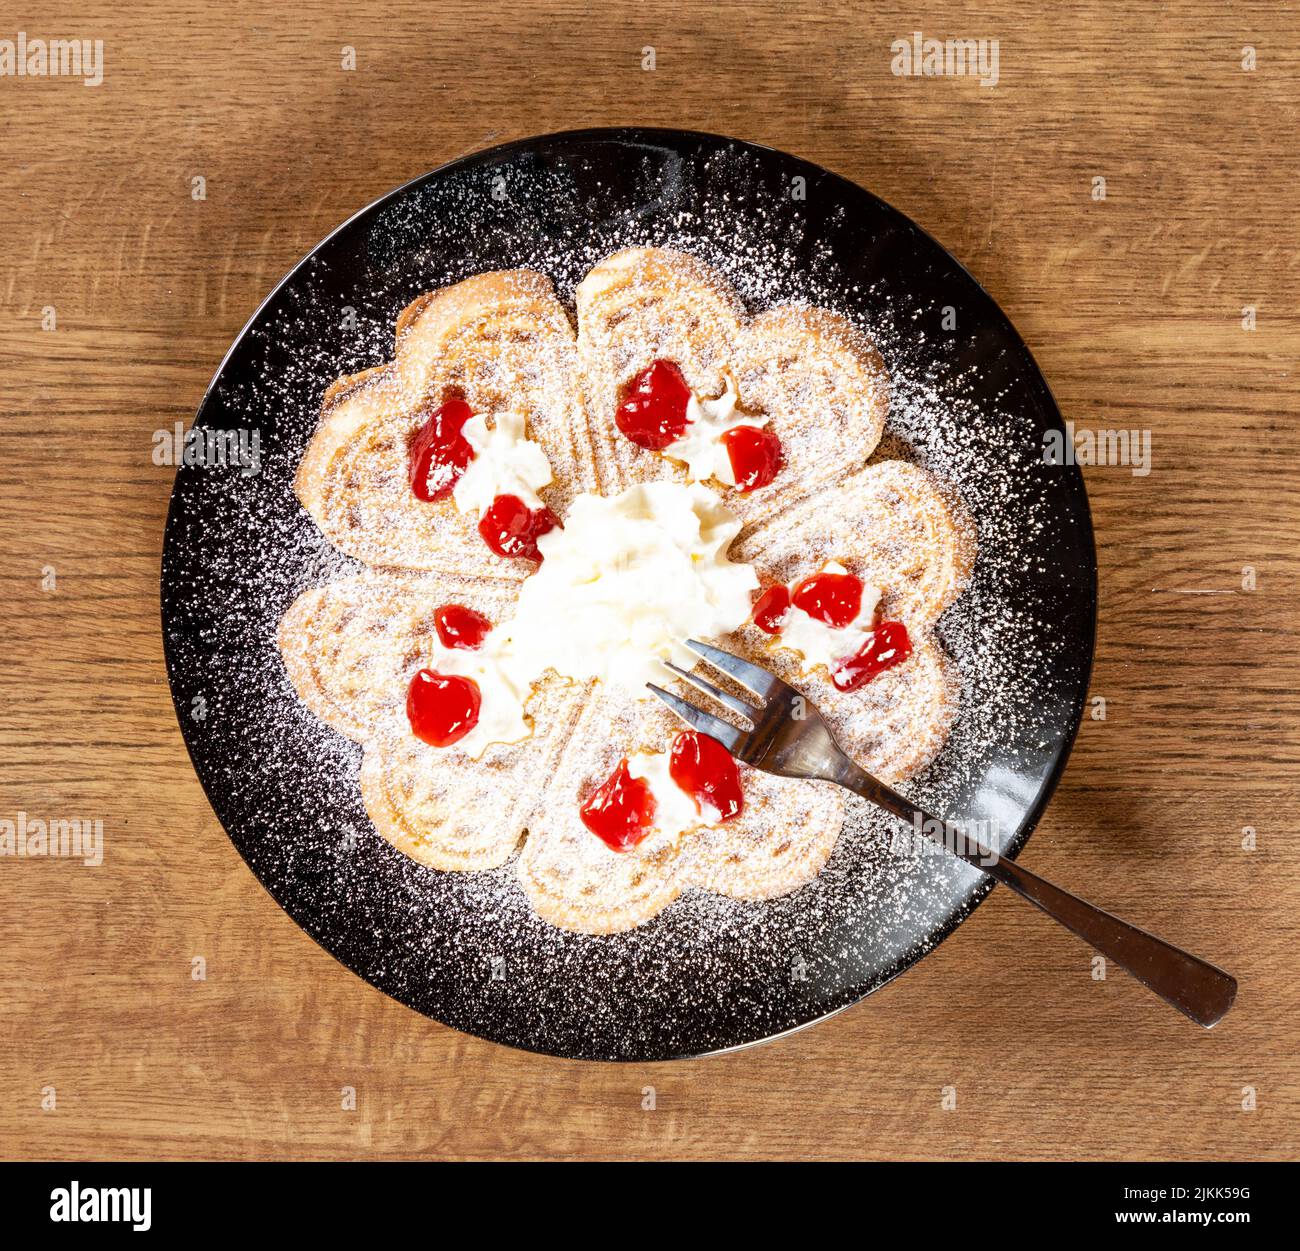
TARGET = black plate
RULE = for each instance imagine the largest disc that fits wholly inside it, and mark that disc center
(708, 974)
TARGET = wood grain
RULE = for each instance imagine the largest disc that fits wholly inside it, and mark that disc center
(1133, 306)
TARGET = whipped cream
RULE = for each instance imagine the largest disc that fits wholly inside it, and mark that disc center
(501, 695)
(701, 448)
(675, 810)
(505, 463)
(821, 644)
(625, 581)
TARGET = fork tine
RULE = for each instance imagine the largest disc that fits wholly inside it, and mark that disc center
(738, 706)
(705, 722)
(751, 677)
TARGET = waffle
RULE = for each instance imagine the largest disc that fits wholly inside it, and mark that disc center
(893, 526)
(819, 379)
(499, 341)
(503, 342)
(351, 647)
(779, 842)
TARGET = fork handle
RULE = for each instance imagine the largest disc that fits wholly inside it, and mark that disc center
(1193, 986)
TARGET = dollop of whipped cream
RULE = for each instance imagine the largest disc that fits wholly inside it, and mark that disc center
(675, 810)
(701, 448)
(501, 693)
(505, 463)
(626, 580)
(820, 644)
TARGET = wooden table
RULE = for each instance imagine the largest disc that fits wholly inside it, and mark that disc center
(1134, 307)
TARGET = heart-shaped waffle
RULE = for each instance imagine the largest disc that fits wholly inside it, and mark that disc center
(818, 377)
(780, 841)
(503, 343)
(892, 526)
(500, 341)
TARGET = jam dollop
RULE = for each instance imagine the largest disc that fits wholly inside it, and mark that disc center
(706, 771)
(755, 455)
(771, 607)
(832, 598)
(442, 708)
(440, 452)
(511, 528)
(621, 810)
(460, 627)
(653, 411)
(888, 646)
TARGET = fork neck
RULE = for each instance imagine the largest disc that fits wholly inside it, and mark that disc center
(847, 774)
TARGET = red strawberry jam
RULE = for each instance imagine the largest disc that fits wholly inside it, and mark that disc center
(511, 528)
(755, 456)
(653, 412)
(888, 646)
(621, 810)
(460, 627)
(440, 451)
(832, 598)
(770, 610)
(705, 770)
(442, 708)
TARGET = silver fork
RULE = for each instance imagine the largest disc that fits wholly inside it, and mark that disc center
(788, 737)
